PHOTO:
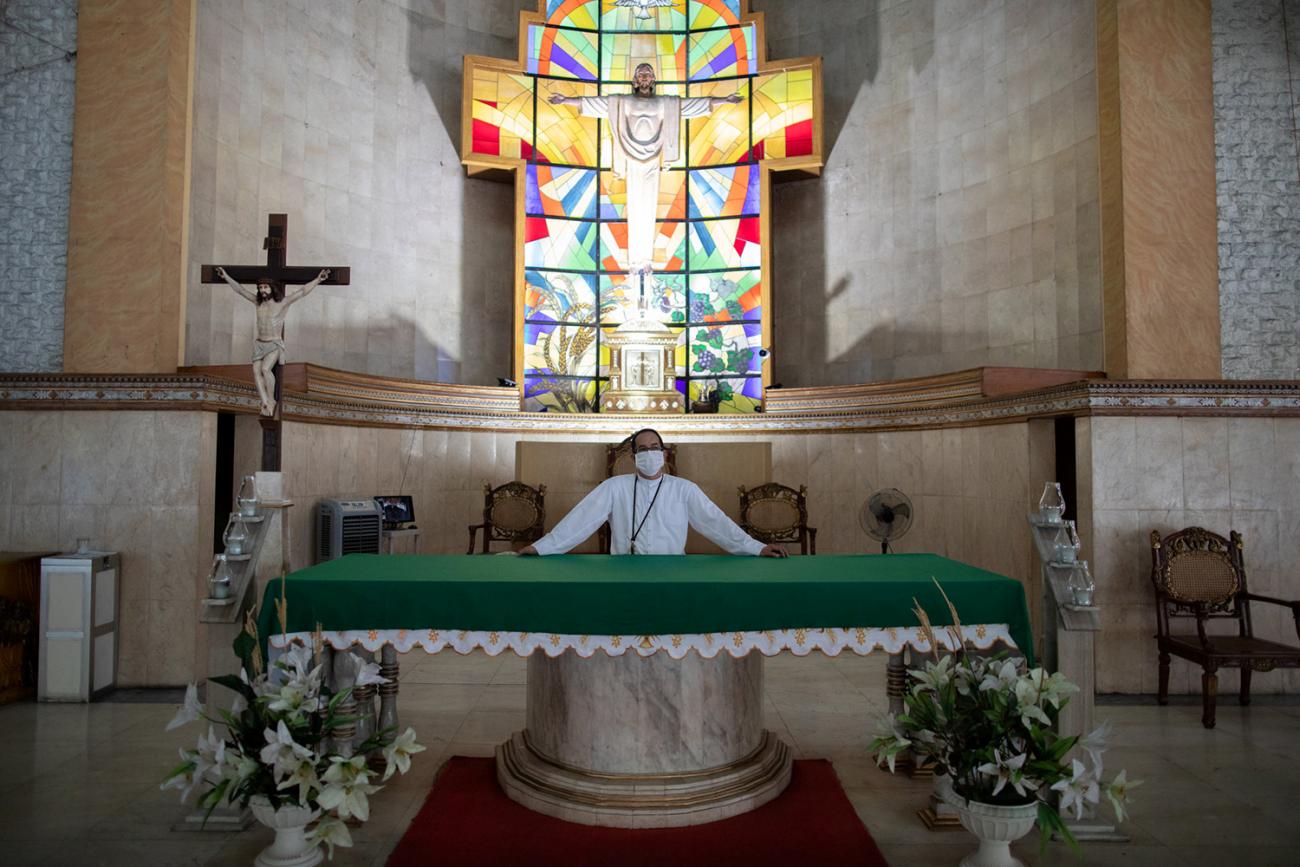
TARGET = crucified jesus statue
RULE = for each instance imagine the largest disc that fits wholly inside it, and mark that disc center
(645, 130)
(272, 304)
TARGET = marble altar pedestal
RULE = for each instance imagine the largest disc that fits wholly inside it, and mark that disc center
(644, 742)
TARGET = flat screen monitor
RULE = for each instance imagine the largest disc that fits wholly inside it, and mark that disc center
(398, 509)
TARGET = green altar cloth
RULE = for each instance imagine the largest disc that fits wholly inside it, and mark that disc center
(624, 595)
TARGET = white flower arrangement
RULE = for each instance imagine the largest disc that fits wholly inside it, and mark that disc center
(990, 725)
(276, 743)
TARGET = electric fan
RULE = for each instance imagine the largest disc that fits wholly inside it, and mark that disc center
(886, 515)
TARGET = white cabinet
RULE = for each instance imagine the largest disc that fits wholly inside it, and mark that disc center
(78, 626)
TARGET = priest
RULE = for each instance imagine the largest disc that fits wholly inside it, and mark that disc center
(648, 512)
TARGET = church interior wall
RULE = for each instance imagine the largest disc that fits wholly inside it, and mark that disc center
(346, 116)
(138, 482)
(1257, 143)
(956, 222)
(1140, 474)
(38, 40)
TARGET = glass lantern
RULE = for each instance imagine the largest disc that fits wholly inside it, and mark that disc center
(1081, 585)
(235, 537)
(247, 497)
(1066, 544)
(219, 578)
(1051, 506)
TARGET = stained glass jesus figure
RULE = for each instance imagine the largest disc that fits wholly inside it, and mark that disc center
(646, 136)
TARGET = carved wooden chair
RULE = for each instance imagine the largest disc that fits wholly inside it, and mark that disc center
(619, 460)
(774, 513)
(1199, 575)
(513, 512)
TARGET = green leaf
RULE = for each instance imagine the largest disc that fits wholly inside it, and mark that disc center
(725, 392)
(236, 683)
(678, 316)
(244, 645)
(713, 338)
(736, 311)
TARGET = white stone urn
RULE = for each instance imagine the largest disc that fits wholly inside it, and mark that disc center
(996, 827)
(290, 848)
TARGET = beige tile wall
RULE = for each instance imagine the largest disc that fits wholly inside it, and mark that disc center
(136, 482)
(1142, 474)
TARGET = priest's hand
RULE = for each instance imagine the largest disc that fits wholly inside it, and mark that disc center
(772, 551)
(530, 551)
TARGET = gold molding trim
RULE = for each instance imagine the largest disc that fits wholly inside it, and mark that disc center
(318, 395)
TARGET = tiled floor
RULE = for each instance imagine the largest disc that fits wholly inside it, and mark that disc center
(81, 781)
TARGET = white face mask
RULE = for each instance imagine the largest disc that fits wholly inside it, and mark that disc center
(649, 463)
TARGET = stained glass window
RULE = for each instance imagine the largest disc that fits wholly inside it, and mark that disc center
(709, 251)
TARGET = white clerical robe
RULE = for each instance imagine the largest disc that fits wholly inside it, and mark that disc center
(662, 529)
(645, 133)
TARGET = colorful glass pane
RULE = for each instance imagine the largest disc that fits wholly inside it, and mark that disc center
(547, 393)
(562, 53)
(621, 53)
(554, 191)
(723, 136)
(559, 296)
(734, 394)
(635, 16)
(731, 191)
(713, 13)
(672, 196)
(502, 114)
(726, 350)
(670, 246)
(725, 244)
(559, 244)
(559, 350)
(564, 135)
(717, 53)
(572, 13)
(725, 297)
(783, 114)
(620, 294)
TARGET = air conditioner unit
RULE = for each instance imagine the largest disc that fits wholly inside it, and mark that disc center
(347, 526)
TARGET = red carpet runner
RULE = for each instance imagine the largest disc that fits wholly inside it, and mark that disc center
(467, 821)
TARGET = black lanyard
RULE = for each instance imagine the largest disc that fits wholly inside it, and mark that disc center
(636, 528)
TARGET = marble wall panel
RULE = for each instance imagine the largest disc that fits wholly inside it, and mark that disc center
(129, 211)
(140, 483)
(347, 118)
(1221, 474)
(960, 188)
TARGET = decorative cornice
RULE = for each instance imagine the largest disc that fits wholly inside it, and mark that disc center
(322, 396)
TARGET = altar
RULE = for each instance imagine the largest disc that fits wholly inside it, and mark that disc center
(645, 674)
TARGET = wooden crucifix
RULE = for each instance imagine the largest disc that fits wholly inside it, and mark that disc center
(272, 302)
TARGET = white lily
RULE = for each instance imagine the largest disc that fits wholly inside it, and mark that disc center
(238, 766)
(210, 755)
(1037, 686)
(347, 787)
(1000, 677)
(296, 698)
(1033, 712)
(282, 752)
(1117, 793)
(190, 710)
(186, 780)
(1081, 787)
(367, 672)
(297, 659)
(304, 777)
(934, 677)
(1008, 771)
(1095, 743)
(332, 832)
(398, 753)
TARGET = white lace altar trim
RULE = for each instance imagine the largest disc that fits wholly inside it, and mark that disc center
(770, 642)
